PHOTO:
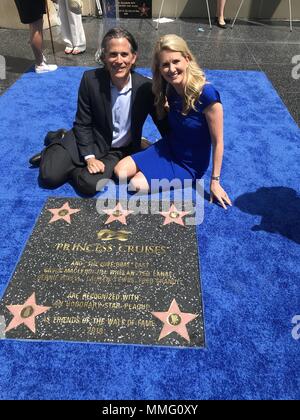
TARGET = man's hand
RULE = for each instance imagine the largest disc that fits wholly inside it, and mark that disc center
(95, 166)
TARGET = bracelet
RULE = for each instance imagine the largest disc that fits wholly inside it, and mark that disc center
(215, 178)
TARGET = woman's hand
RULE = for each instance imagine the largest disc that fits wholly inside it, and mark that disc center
(217, 192)
(95, 166)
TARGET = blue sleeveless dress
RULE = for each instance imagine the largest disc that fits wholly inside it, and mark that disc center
(184, 153)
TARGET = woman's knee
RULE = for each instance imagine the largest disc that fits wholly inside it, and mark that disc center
(139, 183)
(121, 169)
(126, 168)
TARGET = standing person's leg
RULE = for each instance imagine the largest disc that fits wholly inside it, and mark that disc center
(36, 40)
(65, 26)
(220, 12)
(76, 31)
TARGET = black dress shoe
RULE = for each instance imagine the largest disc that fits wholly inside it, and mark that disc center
(36, 159)
(220, 25)
(54, 135)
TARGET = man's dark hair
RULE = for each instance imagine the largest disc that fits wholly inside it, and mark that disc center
(115, 33)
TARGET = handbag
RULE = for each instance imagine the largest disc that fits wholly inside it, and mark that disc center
(75, 6)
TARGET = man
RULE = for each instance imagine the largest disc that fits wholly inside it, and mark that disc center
(31, 12)
(113, 104)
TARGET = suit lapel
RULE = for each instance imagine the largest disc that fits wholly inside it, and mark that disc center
(106, 97)
(133, 95)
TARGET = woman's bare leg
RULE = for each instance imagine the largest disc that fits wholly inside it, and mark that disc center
(126, 169)
(220, 11)
(139, 183)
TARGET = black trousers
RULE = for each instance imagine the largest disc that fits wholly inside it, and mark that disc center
(57, 167)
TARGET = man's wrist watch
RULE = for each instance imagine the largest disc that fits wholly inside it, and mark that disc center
(215, 178)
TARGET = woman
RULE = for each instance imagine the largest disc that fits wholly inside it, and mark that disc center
(195, 117)
(71, 26)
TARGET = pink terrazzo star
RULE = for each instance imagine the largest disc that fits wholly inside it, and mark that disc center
(63, 213)
(118, 213)
(174, 321)
(26, 313)
(174, 216)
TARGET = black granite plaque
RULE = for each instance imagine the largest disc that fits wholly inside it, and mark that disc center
(135, 9)
(90, 273)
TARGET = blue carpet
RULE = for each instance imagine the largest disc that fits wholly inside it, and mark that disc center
(249, 258)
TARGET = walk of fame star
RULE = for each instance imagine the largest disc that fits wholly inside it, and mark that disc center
(63, 213)
(118, 213)
(26, 313)
(174, 321)
(174, 216)
(144, 9)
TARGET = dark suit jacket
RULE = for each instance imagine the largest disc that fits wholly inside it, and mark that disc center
(93, 124)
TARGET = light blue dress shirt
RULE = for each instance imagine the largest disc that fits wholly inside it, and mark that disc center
(121, 115)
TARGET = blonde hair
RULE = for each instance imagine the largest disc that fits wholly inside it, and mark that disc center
(195, 76)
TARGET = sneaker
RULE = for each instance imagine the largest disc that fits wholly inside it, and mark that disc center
(45, 68)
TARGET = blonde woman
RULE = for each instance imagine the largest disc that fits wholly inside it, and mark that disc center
(195, 116)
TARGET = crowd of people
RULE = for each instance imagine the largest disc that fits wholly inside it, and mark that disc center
(72, 32)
